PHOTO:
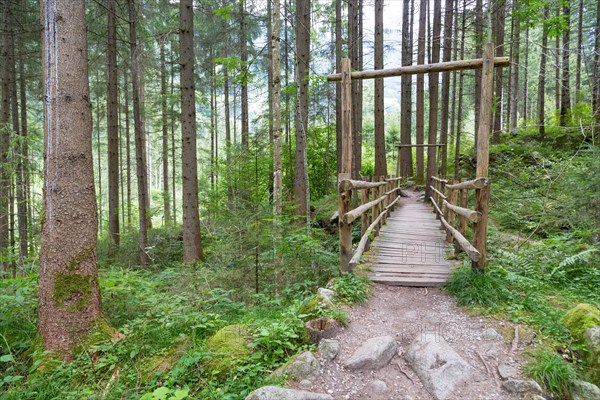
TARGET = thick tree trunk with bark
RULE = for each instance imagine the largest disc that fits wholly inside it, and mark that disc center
(23, 200)
(192, 245)
(140, 139)
(514, 77)
(459, 116)
(166, 189)
(276, 107)
(4, 137)
(498, 22)
(478, 54)
(380, 158)
(420, 114)
(433, 96)
(338, 102)
(69, 296)
(406, 95)
(113, 128)
(301, 115)
(444, 117)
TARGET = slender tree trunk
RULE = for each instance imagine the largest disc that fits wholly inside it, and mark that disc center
(69, 297)
(420, 122)
(140, 139)
(444, 117)
(173, 143)
(227, 132)
(542, 78)
(461, 78)
(380, 154)
(478, 54)
(22, 168)
(525, 77)
(127, 147)
(353, 53)
(433, 96)
(557, 66)
(579, 50)
(4, 138)
(192, 245)
(596, 75)
(498, 22)
(565, 95)
(406, 98)
(338, 102)
(166, 189)
(15, 146)
(113, 129)
(244, 73)
(514, 83)
(276, 107)
(453, 94)
(213, 122)
(301, 120)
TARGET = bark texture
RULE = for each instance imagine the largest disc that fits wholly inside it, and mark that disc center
(113, 128)
(380, 158)
(69, 297)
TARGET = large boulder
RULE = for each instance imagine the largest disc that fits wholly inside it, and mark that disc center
(374, 354)
(228, 347)
(521, 387)
(592, 342)
(277, 393)
(299, 367)
(437, 365)
(581, 318)
(581, 390)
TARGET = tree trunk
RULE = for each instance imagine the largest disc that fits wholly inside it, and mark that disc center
(113, 129)
(353, 53)
(22, 168)
(596, 75)
(565, 95)
(338, 62)
(166, 189)
(227, 131)
(380, 155)
(406, 98)
(514, 83)
(192, 245)
(127, 147)
(579, 50)
(420, 114)
(541, 105)
(498, 21)
(459, 117)
(433, 96)
(69, 297)
(4, 139)
(444, 117)
(525, 77)
(557, 66)
(244, 76)
(140, 139)
(276, 108)
(478, 54)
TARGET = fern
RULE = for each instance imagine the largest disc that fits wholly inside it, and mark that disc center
(571, 261)
(520, 263)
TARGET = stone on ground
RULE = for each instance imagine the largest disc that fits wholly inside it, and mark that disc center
(491, 334)
(278, 393)
(329, 348)
(581, 390)
(374, 354)
(519, 386)
(592, 342)
(438, 366)
(506, 371)
(376, 387)
(299, 367)
(326, 294)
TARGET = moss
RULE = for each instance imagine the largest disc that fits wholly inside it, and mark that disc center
(100, 331)
(581, 318)
(229, 346)
(72, 291)
(75, 262)
(314, 308)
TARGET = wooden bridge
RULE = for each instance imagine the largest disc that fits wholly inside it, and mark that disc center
(408, 238)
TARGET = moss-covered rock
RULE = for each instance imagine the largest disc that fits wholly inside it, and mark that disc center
(314, 308)
(592, 354)
(228, 347)
(581, 318)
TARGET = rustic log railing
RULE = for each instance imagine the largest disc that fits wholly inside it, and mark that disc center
(451, 201)
(377, 201)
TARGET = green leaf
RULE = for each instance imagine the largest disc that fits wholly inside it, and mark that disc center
(161, 393)
(6, 358)
(180, 394)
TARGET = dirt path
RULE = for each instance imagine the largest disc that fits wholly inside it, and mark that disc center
(404, 313)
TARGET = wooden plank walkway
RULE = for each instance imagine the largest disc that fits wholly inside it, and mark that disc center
(410, 248)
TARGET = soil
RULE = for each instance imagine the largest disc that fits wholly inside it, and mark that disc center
(404, 313)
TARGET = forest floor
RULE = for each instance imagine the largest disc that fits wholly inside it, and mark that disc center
(404, 313)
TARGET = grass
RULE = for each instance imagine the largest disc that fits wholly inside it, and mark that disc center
(551, 371)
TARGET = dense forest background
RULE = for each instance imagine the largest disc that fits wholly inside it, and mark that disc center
(267, 170)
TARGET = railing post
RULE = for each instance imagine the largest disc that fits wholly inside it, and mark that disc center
(483, 142)
(364, 199)
(346, 167)
(464, 203)
(451, 215)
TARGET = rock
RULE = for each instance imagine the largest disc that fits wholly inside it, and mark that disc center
(329, 348)
(592, 355)
(519, 386)
(305, 384)
(581, 318)
(228, 347)
(376, 387)
(374, 354)
(277, 393)
(438, 366)
(326, 294)
(299, 367)
(313, 307)
(491, 334)
(581, 390)
(506, 371)
(536, 397)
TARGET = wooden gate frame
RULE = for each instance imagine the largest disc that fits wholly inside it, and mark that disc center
(487, 64)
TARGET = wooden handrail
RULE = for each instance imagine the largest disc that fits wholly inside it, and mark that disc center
(435, 178)
(393, 179)
(351, 216)
(471, 215)
(478, 183)
(349, 184)
(462, 241)
(438, 193)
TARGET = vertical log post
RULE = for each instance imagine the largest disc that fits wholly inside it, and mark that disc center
(452, 193)
(483, 153)
(464, 203)
(364, 199)
(346, 167)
